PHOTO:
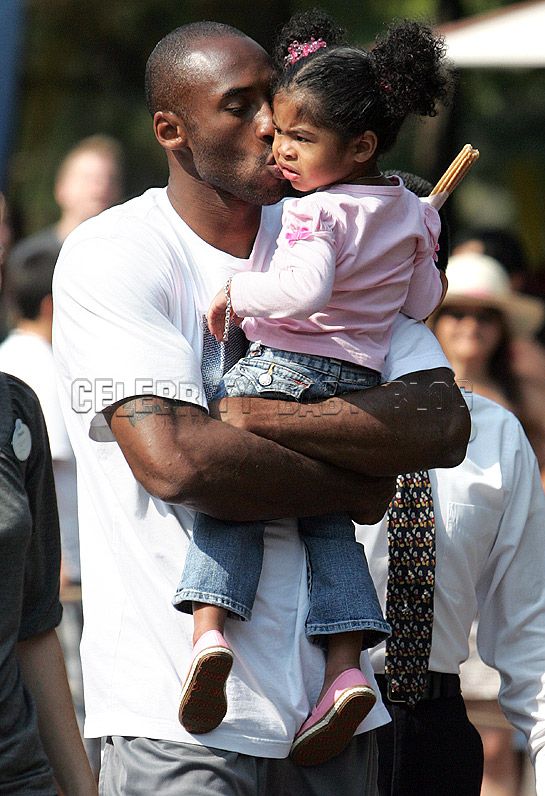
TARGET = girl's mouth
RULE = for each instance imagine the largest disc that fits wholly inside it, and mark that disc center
(290, 175)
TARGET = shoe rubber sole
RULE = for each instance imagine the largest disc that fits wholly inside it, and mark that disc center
(203, 703)
(329, 736)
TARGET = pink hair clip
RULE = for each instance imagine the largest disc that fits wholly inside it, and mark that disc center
(298, 50)
(385, 86)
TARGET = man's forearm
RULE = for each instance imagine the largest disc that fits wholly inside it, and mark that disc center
(180, 455)
(416, 423)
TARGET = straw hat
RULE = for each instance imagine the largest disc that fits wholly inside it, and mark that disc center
(480, 280)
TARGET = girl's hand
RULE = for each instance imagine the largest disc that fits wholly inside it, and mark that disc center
(216, 315)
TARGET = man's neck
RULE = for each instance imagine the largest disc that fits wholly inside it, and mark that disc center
(223, 221)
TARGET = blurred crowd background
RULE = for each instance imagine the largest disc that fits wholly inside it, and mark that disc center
(75, 138)
(71, 68)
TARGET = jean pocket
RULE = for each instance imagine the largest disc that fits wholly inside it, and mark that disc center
(274, 380)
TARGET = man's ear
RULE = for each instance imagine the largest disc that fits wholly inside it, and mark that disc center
(169, 130)
(365, 146)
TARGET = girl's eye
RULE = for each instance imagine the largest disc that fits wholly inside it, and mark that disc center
(302, 139)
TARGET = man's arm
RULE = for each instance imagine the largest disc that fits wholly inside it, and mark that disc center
(43, 671)
(511, 599)
(418, 422)
(181, 455)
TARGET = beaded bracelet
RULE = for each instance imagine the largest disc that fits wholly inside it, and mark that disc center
(227, 290)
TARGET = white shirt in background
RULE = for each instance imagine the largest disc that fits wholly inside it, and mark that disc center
(490, 550)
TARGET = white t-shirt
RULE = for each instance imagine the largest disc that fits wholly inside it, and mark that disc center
(130, 288)
(29, 357)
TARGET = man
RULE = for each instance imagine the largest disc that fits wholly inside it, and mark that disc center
(130, 290)
(490, 559)
(88, 181)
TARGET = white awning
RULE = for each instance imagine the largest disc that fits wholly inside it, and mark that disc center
(509, 37)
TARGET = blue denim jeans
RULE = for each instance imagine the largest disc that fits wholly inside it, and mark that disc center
(342, 594)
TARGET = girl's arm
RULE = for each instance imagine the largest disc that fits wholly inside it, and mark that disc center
(42, 667)
(299, 281)
(427, 289)
(428, 284)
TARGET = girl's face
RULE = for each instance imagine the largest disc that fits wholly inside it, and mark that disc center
(469, 333)
(309, 156)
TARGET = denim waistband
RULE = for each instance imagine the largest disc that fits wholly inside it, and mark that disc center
(338, 367)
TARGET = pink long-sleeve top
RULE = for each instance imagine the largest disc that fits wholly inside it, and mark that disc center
(348, 259)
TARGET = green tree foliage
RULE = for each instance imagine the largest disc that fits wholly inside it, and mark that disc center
(82, 73)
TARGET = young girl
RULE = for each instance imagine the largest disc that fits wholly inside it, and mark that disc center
(350, 257)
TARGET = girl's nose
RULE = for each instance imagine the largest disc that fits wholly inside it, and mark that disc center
(284, 147)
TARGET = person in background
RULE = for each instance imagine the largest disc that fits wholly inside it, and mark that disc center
(88, 180)
(490, 539)
(526, 354)
(479, 318)
(479, 322)
(501, 244)
(27, 354)
(40, 745)
(6, 239)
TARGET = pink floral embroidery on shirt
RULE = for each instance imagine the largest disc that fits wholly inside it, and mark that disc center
(434, 255)
(298, 233)
(324, 227)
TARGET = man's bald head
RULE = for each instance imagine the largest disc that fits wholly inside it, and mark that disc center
(169, 73)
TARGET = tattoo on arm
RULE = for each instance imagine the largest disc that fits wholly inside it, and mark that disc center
(138, 409)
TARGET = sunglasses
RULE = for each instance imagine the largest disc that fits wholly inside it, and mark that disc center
(481, 314)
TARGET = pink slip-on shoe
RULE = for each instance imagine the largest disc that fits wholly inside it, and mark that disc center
(333, 722)
(203, 703)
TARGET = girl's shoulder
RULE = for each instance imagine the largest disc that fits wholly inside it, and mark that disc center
(330, 201)
(312, 205)
(306, 215)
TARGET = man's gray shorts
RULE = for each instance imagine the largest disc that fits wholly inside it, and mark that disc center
(142, 766)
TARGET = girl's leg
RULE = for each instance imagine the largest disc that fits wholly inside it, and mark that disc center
(212, 573)
(343, 598)
(207, 617)
(344, 613)
(343, 652)
(213, 585)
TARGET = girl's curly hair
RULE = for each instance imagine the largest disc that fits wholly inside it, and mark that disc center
(349, 90)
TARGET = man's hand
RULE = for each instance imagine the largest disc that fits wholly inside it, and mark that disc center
(377, 492)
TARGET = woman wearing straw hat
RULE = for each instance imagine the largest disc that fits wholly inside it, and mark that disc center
(476, 325)
(479, 318)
